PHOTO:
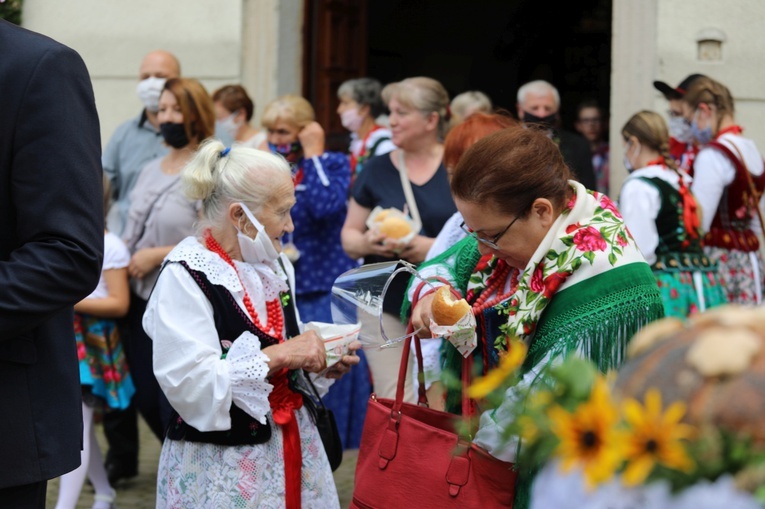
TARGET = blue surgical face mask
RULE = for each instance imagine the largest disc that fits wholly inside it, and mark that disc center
(703, 136)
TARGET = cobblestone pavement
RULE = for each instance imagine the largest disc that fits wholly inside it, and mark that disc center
(139, 492)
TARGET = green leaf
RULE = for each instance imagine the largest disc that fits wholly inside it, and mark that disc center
(569, 241)
(612, 259)
(590, 257)
(562, 259)
(576, 263)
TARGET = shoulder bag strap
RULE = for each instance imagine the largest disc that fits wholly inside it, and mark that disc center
(407, 187)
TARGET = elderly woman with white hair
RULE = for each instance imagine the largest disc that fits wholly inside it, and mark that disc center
(360, 105)
(228, 349)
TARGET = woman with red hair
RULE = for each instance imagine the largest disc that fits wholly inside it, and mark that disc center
(459, 139)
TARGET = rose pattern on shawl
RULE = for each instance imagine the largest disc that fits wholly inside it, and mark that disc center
(589, 239)
(602, 234)
(607, 204)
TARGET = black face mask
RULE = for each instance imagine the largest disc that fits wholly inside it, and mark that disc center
(548, 121)
(174, 134)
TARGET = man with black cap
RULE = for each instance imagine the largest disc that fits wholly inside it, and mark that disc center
(682, 146)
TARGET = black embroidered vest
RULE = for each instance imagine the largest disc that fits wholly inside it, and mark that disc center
(671, 253)
(230, 322)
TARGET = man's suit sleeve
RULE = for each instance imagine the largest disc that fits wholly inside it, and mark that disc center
(56, 187)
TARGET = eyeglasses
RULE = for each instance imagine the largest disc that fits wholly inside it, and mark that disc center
(492, 243)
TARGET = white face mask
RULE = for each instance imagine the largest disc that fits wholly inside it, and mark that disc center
(149, 90)
(257, 250)
(351, 119)
(680, 129)
(627, 164)
(228, 126)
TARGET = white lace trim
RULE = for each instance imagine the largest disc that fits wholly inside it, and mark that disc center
(248, 370)
(269, 279)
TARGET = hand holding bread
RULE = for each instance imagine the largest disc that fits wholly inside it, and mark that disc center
(447, 310)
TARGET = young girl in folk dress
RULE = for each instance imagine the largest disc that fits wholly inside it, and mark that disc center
(103, 372)
(663, 217)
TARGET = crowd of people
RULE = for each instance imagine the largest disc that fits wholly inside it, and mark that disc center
(215, 256)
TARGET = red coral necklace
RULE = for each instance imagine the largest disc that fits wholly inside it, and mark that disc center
(275, 318)
(493, 284)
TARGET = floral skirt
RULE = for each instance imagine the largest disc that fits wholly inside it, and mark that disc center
(682, 296)
(103, 368)
(193, 474)
(740, 272)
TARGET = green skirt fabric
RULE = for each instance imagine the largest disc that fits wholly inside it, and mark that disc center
(681, 297)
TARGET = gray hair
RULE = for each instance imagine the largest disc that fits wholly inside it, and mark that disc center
(465, 104)
(366, 92)
(243, 174)
(538, 87)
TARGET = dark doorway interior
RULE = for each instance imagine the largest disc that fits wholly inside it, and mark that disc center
(489, 45)
(495, 46)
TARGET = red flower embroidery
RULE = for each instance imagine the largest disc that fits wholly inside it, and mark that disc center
(573, 227)
(621, 239)
(607, 204)
(553, 282)
(571, 203)
(483, 262)
(537, 283)
(81, 351)
(589, 239)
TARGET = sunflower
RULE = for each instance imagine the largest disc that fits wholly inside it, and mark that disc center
(654, 438)
(508, 363)
(589, 436)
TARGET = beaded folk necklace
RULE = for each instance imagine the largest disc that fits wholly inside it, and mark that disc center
(275, 319)
(493, 287)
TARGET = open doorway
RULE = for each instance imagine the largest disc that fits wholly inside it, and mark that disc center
(492, 45)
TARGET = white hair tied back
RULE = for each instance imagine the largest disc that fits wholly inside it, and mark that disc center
(250, 177)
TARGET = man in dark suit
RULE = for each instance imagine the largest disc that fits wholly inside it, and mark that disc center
(51, 249)
(539, 103)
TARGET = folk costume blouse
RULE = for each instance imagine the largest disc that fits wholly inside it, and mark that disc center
(668, 233)
(729, 218)
(204, 376)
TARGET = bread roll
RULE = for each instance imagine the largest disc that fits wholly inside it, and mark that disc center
(395, 227)
(380, 216)
(445, 309)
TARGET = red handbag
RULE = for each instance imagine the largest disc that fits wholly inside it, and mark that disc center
(411, 456)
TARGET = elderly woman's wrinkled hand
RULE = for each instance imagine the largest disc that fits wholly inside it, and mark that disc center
(346, 363)
(305, 351)
(311, 138)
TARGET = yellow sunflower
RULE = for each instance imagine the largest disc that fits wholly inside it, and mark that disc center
(508, 363)
(654, 438)
(589, 436)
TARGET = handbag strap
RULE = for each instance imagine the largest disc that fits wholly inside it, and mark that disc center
(422, 399)
(407, 187)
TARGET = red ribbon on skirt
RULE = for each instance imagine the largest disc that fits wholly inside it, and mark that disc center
(284, 402)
